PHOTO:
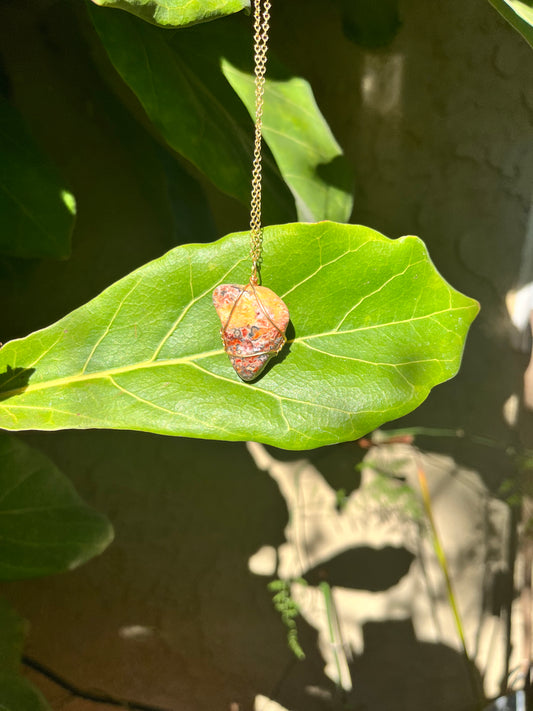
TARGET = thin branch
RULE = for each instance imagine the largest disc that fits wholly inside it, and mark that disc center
(95, 697)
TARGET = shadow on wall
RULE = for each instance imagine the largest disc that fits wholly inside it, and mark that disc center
(410, 675)
(365, 576)
(423, 675)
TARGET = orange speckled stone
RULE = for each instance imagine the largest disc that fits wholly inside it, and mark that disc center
(254, 320)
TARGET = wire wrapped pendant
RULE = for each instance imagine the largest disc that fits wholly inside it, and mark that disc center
(253, 317)
(254, 320)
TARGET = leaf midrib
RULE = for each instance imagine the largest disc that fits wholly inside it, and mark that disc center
(109, 373)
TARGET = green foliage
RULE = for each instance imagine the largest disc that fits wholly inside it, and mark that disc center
(191, 85)
(37, 209)
(289, 611)
(45, 527)
(375, 327)
(305, 150)
(370, 24)
(181, 87)
(177, 13)
(16, 693)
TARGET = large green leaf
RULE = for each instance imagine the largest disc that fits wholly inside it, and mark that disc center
(177, 13)
(36, 209)
(519, 13)
(44, 525)
(375, 327)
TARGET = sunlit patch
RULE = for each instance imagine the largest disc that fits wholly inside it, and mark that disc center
(519, 304)
(136, 632)
(263, 703)
(511, 409)
(69, 201)
(382, 81)
(264, 562)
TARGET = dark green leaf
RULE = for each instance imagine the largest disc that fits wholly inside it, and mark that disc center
(375, 328)
(36, 209)
(177, 13)
(17, 694)
(370, 24)
(193, 221)
(191, 104)
(44, 525)
(519, 14)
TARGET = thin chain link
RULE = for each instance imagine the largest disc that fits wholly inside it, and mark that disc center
(261, 28)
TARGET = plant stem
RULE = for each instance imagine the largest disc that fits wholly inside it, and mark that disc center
(441, 557)
(94, 697)
(334, 634)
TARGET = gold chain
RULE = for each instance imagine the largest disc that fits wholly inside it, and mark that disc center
(261, 27)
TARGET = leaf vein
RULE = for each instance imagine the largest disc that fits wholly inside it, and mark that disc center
(325, 334)
(376, 291)
(109, 325)
(174, 413)
(189, 306)
(319, 268)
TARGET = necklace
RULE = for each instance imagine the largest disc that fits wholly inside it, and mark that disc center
(253, 317)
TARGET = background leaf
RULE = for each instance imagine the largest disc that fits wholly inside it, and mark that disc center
(182, 83)
(308, 156)
(176, 13)
(17, 694)
(45, 527)
(36, 209)
(370, 24)
(519, 14)
(375, 327)
(187, 98)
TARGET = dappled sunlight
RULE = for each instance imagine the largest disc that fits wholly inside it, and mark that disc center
(263, 703)
(264, 562)
(382, 82)
(370, 562)
(136, 632)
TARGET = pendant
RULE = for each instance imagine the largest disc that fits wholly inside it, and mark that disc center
(253, 320)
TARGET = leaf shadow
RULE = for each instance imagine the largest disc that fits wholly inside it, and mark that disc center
(336, 174)
(363, 568)
(289, 334)
(13, 381)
